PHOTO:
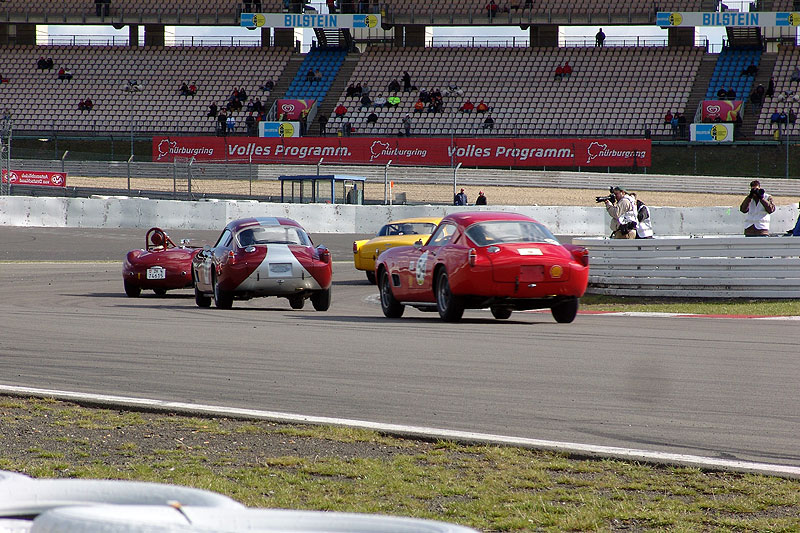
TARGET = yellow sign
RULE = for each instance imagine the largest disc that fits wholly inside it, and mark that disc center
(286, 130)
(372, 21)
(719, 132)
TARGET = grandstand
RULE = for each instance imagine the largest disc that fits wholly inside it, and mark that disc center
(614, 91)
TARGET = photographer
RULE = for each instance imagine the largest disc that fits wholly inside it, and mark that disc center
(623, 214)
(644, 228)
(758, 205)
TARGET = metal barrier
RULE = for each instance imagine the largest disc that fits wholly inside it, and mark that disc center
(709, 267)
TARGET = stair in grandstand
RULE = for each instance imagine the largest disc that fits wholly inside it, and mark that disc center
(328, 61)
(701, 81)
(327, 38)
(744, 37)
(337, 87)
(283, 81)
(728, 72)
(765, 69)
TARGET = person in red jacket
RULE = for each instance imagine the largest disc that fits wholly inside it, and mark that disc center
(340, 110)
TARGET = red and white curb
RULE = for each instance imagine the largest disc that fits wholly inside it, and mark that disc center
(583, 450)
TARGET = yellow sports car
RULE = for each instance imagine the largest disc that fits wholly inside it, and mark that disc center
(396, 233)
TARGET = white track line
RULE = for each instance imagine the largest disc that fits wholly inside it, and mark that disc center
(585, 450)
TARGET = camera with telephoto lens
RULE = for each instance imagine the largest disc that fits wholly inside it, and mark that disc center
(757, 193)
(611, 198)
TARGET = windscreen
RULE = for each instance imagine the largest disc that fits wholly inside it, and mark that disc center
(509, 231)
(409, 228)
(273, 235)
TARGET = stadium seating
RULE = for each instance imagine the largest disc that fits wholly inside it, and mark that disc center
(144, 7)
(328, 61)
(612, 91)
(788, 59)
(554, 7)
(41, 102)
(728, 73)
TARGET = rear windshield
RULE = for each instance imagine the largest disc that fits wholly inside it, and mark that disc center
(509, 231)
(409, 228)
(273, 235)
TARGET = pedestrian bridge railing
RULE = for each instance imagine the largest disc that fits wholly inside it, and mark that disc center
(708, 267)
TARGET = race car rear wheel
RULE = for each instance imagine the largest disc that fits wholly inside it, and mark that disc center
(297, 302)
(321, 300)
(391, 307)
(450, 306)
(371, 276)
(133, 291)
(222, 299)
(564, 312)
(501, 313)
(202, 300)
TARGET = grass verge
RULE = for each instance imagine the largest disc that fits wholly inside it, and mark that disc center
(490, 488)
(699, 306)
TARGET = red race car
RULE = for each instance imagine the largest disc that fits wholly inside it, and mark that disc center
(504, 261)
(160, 266)
(263, 257)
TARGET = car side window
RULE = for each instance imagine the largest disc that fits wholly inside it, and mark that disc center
(442, 235)
(224, 239)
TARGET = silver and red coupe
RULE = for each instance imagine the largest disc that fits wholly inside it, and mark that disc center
(473, 260)
(160, 266)
(256, 257)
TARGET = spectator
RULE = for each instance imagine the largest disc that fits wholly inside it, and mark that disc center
(364, 90)
(86, 105)
(722, 93)
(49, 63)
(467, 107)
(668, 117)
(380, 101)
(358, 90)
(192, 90)
(340, 110)
(133, 86)
(482, 107)
(394, 86)
(304, 122)
(425, 96)
(488, 123)
(213, 111)
(407, 125)
(323, 122)
(42, 63)
(331, 6)
(792, 116)
(674, 125)
(460, 198)
(751, 70)
(64, 74)
(419, 106)
(567, 70)
(250, 123)
(372, 118)
(406, 82)
(231, 124)
(454, 90)
(366, 101)
(310, 75)
(393, 101)
(755, 96)
(318, 75)
(267, 87)
(351, 91)
(222, 121)
(491, 9)
(730, 94)
(644, 227)
(481, 200)
(681, 125)
(599, 38)
(795, 75)
(559, 72)
(770, 88)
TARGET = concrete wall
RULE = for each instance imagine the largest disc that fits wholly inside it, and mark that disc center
(122, 212)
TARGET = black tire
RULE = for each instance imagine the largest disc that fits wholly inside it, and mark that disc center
(222, 299)
(321, 300)
(371, 276)
(202, 300)
(564, 312)
(297, 302)
(133, 291)
(501, 313)
(160, 292)
(451, 307)
(389, 305)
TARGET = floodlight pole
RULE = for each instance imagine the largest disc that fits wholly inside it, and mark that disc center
(455, 173)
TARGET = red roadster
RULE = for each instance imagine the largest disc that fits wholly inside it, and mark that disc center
(504, 261)
(160, 266)
(263, 257)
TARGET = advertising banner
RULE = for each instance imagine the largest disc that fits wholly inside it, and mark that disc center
(279, 129)
(730, 19)
(483, 152)
(28, 177)
(720, 110)
(712, 133)
(332, 21)
(292, 109)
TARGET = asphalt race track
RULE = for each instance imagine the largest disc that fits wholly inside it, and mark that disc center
(722, 388)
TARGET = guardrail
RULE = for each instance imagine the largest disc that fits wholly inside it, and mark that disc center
(710, 267)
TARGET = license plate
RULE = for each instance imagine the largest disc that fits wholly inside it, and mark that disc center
(156, 273)
(531, 273)
(280, 269)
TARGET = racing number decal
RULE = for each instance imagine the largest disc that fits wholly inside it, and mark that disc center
(422, 262)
